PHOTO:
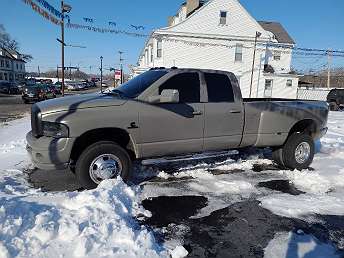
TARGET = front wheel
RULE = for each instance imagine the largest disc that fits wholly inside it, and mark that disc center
(101, 161)
(297, 152)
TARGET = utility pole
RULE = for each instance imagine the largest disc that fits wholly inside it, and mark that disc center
(101, 74)
(70, 70)
(63, 45)
(121, 63)
(57, 73)
(39, 72)
(64, 9)
(329, 61)
(258, 34)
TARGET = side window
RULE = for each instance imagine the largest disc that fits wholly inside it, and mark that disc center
(188, 85)
(219, 88)
(223, 17)
(289, 83)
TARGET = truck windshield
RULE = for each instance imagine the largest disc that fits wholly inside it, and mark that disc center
(139, 84)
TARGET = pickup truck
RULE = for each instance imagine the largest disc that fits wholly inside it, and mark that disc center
(168, 113)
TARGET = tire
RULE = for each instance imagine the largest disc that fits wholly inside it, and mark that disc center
(95, 152)
(334, 106)
(26, 101)
(287, 155)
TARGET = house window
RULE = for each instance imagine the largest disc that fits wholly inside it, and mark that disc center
(17, 66)
(223, 17)
(238, 53)
(159, 48)
(289, 83)
(1, 76)
(2, 63)
(7, 64)
(268, 88)
(5, 76)
(151, 53)
(146, 57)
(277, 55)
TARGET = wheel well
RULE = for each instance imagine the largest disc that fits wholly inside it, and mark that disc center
(308, 126)
(119, 136)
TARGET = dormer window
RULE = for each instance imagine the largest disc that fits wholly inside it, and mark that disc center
(223, 17)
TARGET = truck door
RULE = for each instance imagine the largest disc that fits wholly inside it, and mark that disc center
(224, 115)
(176, 128)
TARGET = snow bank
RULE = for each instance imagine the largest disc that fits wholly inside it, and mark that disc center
(298, 245)
(98, 223)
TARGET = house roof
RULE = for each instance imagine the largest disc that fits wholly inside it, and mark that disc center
(278, 30)
(7, 53)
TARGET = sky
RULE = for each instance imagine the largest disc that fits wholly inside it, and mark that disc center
(311, 23)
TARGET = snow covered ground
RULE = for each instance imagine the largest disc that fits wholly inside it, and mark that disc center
(97, 223)
(101, 223)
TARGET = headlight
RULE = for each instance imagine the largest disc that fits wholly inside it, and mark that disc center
(55, 130)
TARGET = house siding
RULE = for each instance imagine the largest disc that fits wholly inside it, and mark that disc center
(203, 26)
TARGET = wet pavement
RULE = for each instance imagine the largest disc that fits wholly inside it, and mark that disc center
(241, 230)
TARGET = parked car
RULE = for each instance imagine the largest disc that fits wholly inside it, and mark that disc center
(335, 98)
(75, 85)
(9, 88)
(38, 92)
(171, 113)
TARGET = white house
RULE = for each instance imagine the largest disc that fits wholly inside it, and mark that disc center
(221, 34)
(12, 66)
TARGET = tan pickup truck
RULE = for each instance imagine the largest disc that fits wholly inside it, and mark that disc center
(169, 112)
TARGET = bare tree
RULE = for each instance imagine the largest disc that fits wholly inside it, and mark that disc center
(7, 42)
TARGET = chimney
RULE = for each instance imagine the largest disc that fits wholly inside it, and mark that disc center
(170, 20)
(191, 5)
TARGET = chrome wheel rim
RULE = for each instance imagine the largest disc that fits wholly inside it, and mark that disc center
(302, 152)
(104, 167)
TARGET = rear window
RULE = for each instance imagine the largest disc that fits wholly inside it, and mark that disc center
(219, 88)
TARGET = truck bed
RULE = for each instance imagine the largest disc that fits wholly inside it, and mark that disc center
(268, 121)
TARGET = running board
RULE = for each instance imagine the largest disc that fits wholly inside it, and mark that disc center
(206, 155)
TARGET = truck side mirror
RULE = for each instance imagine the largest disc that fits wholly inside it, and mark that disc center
(167, 96)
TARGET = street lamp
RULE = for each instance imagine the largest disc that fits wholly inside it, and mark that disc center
(258, 34)
(65, 8)
(101, 74)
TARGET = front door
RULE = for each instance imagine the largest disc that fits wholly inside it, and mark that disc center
(224, 116)
(172, 129)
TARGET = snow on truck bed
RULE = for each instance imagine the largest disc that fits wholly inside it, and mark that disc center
(101, 223)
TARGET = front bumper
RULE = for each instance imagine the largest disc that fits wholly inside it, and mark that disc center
(48, 153)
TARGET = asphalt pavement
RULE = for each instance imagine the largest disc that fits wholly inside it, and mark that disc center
(12, 106)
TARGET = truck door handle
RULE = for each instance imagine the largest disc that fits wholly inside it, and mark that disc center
(197, 113)
(234, 111)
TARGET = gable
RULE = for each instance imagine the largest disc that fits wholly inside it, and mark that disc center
(206, 20)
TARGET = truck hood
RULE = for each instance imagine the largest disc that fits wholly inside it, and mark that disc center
(79, 102)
